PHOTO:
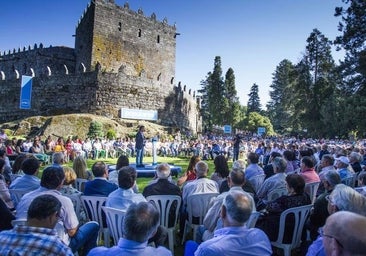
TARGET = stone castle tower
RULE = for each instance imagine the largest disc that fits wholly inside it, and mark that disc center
(121, 59)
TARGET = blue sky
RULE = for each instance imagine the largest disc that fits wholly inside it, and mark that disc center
(251, 36)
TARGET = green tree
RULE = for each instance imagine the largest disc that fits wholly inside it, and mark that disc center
(216, 92)
(353, 27)
(232, 110)
(95, 130)
(353, 68)
(204, 110)
(315, 83)
(254, 104)
(280, 107)
(255, 120)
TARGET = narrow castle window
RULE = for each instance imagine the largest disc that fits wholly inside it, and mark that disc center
(158, 39)
(139, 32)
(119, 26)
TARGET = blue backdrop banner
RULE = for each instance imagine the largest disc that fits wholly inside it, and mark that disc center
(26, 92)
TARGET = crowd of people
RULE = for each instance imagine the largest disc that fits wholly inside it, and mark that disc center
(259, 168)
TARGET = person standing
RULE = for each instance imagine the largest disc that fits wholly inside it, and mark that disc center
(140, 144)
(237, 141)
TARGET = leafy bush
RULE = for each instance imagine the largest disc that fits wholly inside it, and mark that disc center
(111, 134)
(95, 130)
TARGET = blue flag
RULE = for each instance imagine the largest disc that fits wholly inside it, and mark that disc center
(26, 92)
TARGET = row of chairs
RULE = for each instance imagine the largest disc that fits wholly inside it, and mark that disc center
(97, 211)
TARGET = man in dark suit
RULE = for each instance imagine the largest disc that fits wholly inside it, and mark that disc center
(162, 186)
(100, 186)
(139, 146)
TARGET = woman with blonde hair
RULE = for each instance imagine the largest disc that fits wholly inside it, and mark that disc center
(80, 167)
(70, 177)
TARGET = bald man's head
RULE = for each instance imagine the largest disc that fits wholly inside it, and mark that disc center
(345, 234)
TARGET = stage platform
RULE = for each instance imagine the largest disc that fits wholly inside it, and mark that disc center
(149, 170)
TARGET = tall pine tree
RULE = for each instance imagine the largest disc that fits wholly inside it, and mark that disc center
(254, 104)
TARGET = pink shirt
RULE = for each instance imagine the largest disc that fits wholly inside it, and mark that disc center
(310, 175)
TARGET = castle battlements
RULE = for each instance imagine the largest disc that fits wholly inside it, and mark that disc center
(121, 59)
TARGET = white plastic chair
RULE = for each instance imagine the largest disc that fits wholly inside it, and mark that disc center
(311, 189)
(197, 206)
(114, 222)
(276, 193)
(252, 219)
(80, 184)
(76, 201)
(164, 204)
(300, 215)
(257, 181)
(93, 207)
(17, 194)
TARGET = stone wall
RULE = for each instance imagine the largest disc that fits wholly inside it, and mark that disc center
(122, 59)
(116, 36)
(37, 61)
(101, 93)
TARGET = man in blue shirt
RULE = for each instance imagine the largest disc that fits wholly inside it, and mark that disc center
(139, 224)
(234, 238)
(253, 168)
(29, 181)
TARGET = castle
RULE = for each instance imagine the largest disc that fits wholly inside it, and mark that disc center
(121, 60)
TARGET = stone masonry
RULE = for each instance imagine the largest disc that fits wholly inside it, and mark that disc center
(121, 59)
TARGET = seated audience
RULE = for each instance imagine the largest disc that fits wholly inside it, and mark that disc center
(4, 191)
(253, 168)
(80, 167)
(234, 238)
(72, 234)
(124, 196)
(221, 169)
(211, 222)
(354, 159)
(163, 187)
(122, 161)
(247, 187)
(70, 177)
(6, 216)
(29, 181)
(58, 159)
(268, 168)
(200, 185)
(269, 223)
(342, 164)
(274, 182)
(100, 186)
(342, 198)
(139, 224)
(361, 183)
(320, 213)
(345, 234)
(38, 236)
(16, 167)
(307, 170)
(190, 174)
